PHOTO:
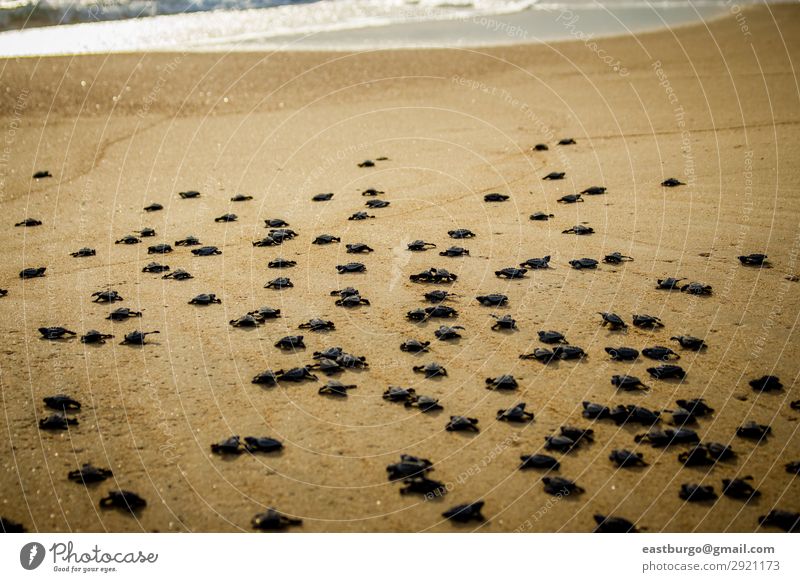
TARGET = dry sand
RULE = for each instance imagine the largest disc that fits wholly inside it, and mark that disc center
(119, 132)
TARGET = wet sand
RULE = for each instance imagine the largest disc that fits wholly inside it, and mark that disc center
(714, 106)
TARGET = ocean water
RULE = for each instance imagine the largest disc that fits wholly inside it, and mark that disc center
(57, 27)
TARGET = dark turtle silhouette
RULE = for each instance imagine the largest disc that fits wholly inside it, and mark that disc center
(622, 353)
(569, 352)
(398, 394)
(667, 371)
(356, 248)
(154, 267)
(570, 198)
(610, 524)
(540, 354)
(56, 332)
(189, 194)
(584, 263)
(664, 438)
(29, 222)
(323, 197)
(360, 216)
(95, 337)
(766, 384)
(61, 402)
(262, 444)
(246, 320)
(161, 249)
(448, 332)
(516, 413)
(32, 272)
(504, 322)
(561, 486)
(408, 467)
(551, 337)
(754, 260)
(462, 423)
(290, 342)
(511, 273)
(128, 240)
(204, 299)
(279, 283)
(377, 203)
(740, 488)
(125, 500)
(537, 263)
(628, 383)
(414, 346)
(241, 198)
(137, 338)
(423, 403)
(788, 521)
(669, 283)
(690, 342)
(281, 263)
(42, 174)
(123, 314)
(229, 446)
(57, 422)
(84, 252)
(495, 197)
(335, 388)
(492, 300)
(594, 190)
(316, 324)
(554, 176)
(146, 232)
(593, 410)
(660, 353)
(107, 296)
(229, 217)
(647, 321)
(295, 375)
(325, 239)
(273, 520)
(189, 241)
(612, 320)
(267, 241)
(541, 216)
(372, 192)
(465, 513)
(695, 492)
(454, 252)
(178, 275)
(434, 275)
(671, 183)
(438, 295)
(351, 268)
(265, 312)
(439, 311)
(351, 301)
(461, 233)
(207, 251)
(753, 430)
(539, 461)
(502, 382)
(579, 229)
(626, 458)
(154, 207)
(88, 473)
(424, 486)
(431, 370)
(420, 245)
(566, 141)
(616, 258)
(695, 288)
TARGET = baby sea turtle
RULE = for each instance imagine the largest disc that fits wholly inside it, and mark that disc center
(262, 444)
(204, 299)
(695, 492)
(372, 192)
(740, 488)
(664, 438)
(593, 410)
(84, 252)
(647, 321)
(408, 467)
(541, 355)
(356, 248)
(154, 207)
(122, 314)
(290, 342)
(351, 301)
(626, 458)
(346, 292)
(461, 233)
(42, 174)
(88, 473)
(29, 222)
(95, 337)
(462, 423)
(669, 283)
(454, 252)
(295, 375)
(690, 342)
(32, 272)
(434, 275)
(465, 513)
(160, 249)
(128, 240)
(57, 422)
(178, 275)
(377, 203)
(621, 354)
(275, 223)
(511, 273)
(229, 446)
(327, 367)
(266, 378)
(569, 352)
(430, 370)
(623, 414)
(495, 197)
(594, 190)
(361, 215)
(56, 332)
(612, 320)
(610, 524)
(189, 194)
(672, 182)
(424, 403)
(766, 384)
(753, 430)
(155, 268)
(62, 402)
(541, 216)
(246, 321)
(696, 406)
(660, 353)
(447, 332)
(566, 141)
(420, 245)
(554, 176)
(106, 296)
(350, 361)
(121, 499)
(424, 486)
(666, 372)
(583, 263)
(229, 217)
(516, 413)
(351, 268)
(537, 263)
(279, 283)
(398, 394)
(570, 198)
(503, 382)
(540, 147)
(146, 232)
(754, 260)
(561, 486)
(628, 383)
(788, 521)
(414, 346)
(504, 322)
(438, 296)
(579, 229)
(492, 300)
(539, 461)
(695, 288)
(265, 312)
(241, 198)
(189, 241)
(316, 324)
(616, 258)
(322, 197)
(267, 241)
(326, 239)
(206, 251)
(560, 443)
(335, 388)
(366, 164)
(281, 263)
(273, 520)
(137, 338)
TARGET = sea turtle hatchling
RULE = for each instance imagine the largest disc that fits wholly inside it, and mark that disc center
(670, 283)
(616, 258)
(672, 182)
(462, 423)
(84, 252)
(583, 263)
(295, 375)
(766, 384)
(262, 444)
(189, 241)
(612, 320)
(267, 241)
(448, 332)
(511, 273)
(626, 458)
(178, 275)
(154, 207)
(290, 342)
(273, 520)
(622, 354)
(29, 222)
(740, 488)
(189, 194)
(454, 252)
(159, 249)
(57, 421)
(326, 239)
(492, 300)
(465, 513)
(433, 275)
(361, 215)
(695, 288)
(541, 355)
(570, 199)
(414, 346)
(229, 446)
(611, 524)
(335, 388)
(206, 251)
(32, 272)
(424, 486)
(316, 324)
(55, 332)
(322, 197)
(88, 473)
(351, 268)
(461, 233)
(647, 321)
(264, 312)
(439, 295)
(539, 461)
(579, 229)
(204, 299)
(540, 147)
(566, 141)
(628, 383)
(377, 203)
(125, 500)
(423, 403)
(690, 342)
(594, 190)
(95, 337)
(408, 467)
(137, 338)
(697, 493)
(128, 239)
(241, 198)
(504, 322)
(502, 382)
(541, 216)
(62, 402)
(372, 192)
(554, 176)
(279, 283)
(561, 486)
(660, 353)
(281, 263)
(107, 296)
(495, 197)
(358, 248)
(351, 301)
(431, 370)
(516, 413)
(753, 430)
(754, 260)
(246, 320)
(420, 245)
(228, 217)
(123, 314)
(154, 267)
(666, 372)
(788, 521)
(537, 263)
(398, 394)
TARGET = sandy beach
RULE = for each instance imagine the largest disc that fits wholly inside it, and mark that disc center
(715, 105)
